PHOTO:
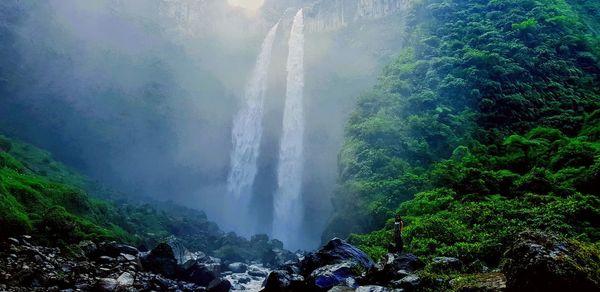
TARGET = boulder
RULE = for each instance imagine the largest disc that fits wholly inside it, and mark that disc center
(336, 251)
(325, 278)
(257, 271)
(542, 262)
(283, 281)
(173, 260)
(182, 255)
(160, 260)
(218, 285)
(114, 249)
(237, 267)
(199, 274)
(408, 283)
(393, 267)
(125, 280)
(106, 284)
(88, 248)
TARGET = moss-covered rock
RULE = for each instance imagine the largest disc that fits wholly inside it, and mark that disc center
(542, 262)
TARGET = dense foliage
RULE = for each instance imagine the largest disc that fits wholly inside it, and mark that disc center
(45, 198)
(486, 124)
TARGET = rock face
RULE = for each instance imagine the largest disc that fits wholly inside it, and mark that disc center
(329, 15)
(541, 262)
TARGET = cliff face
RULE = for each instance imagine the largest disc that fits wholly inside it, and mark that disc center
(209, 16)
(332, 15)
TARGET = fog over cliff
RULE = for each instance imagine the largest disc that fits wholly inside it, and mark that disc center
(141, 95)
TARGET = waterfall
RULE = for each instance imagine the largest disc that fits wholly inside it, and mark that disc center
(246, 135)
(287, 201)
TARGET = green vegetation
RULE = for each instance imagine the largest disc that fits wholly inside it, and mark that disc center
(44, 198)
(485, 125)
(56, 212)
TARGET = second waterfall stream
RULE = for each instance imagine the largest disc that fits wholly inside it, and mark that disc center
(246, 135)
(287, 201)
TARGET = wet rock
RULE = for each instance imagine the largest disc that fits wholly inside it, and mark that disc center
(408, 283)
(237, 267)
(336, 251)
(106, 259)
(160, 260)
(374, 288)
(126, 279)
(341, 289)
(106, 284)
(393, 267)
(257, 272)
(182, 255)
(281, 280)
(543, 262)
(88, 248)
(127, 257)
(219, 285)
(199, 274)
(324, 278)
(114, 249)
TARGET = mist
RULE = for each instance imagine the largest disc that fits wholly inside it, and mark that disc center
(140, 95)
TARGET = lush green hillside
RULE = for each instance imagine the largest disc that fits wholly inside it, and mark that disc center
(44, 198)
(485, 125)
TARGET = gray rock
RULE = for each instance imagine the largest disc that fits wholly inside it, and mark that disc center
(327, 277)
(334, 252)
(106, 259)
(88, 248)
(282, 280)
(341, 289)
(107, 284)
(543, 262)
(374, 288)
(444, 263)
(237, 267)
(126, 279)
(219, 285)
(257, 272)
(410, 282)
(128, 257)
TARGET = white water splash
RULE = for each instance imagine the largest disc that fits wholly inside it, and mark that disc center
(287, 202)
(246, 135)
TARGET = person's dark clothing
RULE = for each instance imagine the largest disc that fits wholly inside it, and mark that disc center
(398, 243)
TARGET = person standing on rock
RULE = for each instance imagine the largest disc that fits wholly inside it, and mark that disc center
(398, 227)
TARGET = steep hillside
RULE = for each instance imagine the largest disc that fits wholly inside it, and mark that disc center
(485, 125)
(59, 207)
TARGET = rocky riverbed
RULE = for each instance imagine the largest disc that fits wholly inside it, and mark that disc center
(533, 261)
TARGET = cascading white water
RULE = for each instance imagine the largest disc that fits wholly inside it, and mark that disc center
(287, 201)
(246, 135)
